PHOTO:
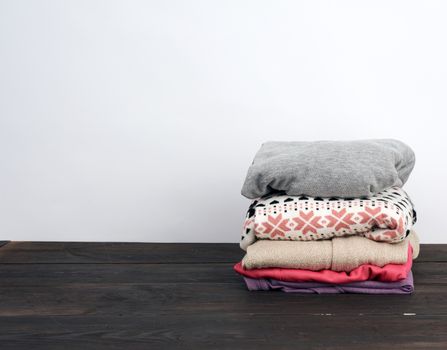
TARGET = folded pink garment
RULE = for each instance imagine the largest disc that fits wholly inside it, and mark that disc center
(387, 273)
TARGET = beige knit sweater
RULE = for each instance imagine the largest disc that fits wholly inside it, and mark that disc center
(338, 254)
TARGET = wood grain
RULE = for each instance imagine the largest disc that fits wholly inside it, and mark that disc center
(144, 253)
(186, 296)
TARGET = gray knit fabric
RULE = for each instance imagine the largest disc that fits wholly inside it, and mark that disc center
(329, 168)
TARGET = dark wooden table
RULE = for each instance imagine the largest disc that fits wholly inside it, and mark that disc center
(186, 296)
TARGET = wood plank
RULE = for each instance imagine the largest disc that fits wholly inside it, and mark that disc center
(433, 253)
(116, 253)
(218, 298)
(141, 253)
(224, 331)
(59, 274)
(163, 296)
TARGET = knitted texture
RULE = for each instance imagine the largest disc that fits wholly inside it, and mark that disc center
(329, 168)
(387, 216)
(337, 254)
(387, 273)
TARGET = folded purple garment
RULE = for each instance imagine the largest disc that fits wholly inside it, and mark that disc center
(404, 286)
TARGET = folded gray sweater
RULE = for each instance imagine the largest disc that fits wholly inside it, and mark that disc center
(329, 168)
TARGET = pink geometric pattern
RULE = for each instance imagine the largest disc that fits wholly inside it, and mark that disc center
(340, 219)
(386, 217)
(307, 222)
(276, 226)
(372, 216)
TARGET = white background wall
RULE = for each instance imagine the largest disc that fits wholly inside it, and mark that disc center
(137, 120)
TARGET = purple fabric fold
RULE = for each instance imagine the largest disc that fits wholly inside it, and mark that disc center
(404, 286)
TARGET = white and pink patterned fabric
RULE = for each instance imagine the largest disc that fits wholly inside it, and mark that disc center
(387, 216)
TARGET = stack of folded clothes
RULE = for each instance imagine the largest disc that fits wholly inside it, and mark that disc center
(330, 217)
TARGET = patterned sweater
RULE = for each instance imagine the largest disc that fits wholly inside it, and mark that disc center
(387, 216)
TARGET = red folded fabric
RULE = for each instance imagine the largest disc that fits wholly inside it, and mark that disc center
(366, 272)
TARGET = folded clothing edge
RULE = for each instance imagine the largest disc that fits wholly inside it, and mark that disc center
(337, 254)
(387, 273)
(404, 286)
